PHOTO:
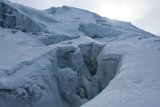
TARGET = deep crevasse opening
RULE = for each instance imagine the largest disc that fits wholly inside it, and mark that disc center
(67, 76)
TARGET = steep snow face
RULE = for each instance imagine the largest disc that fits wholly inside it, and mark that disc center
(12, 18)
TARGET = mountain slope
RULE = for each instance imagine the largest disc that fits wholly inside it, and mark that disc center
(72, 19)
(69, 57)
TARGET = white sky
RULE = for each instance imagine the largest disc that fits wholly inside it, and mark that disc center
(143, 13)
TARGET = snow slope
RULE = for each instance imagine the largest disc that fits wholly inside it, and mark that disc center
(69, 57)
(137, 82)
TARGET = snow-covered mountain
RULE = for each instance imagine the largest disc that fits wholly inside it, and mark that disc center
(69, 57)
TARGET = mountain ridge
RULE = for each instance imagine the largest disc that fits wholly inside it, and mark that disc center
(45, 19)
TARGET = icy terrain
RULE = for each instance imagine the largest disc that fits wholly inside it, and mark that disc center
(69, 57)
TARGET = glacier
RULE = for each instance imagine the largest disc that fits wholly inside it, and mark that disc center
(70, 57)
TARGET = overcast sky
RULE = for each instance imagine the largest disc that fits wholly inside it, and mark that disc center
(143, 13)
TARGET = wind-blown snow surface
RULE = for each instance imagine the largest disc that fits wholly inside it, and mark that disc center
(65, 57)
